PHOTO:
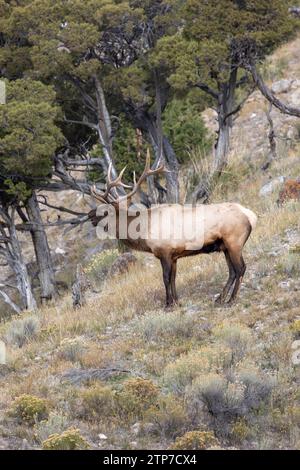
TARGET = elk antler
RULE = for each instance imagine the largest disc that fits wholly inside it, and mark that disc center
(108, 198)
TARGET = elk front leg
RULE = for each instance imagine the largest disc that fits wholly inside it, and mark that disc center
(167, 272)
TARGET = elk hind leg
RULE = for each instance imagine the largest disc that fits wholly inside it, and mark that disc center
(173, 278)
(240, 268)
(167, 271)
(222, 297)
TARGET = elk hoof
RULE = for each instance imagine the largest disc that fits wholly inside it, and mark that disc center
(230, 303)
(219, 300)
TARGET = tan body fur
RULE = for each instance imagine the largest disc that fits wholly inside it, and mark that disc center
(216, 227)
(221, 227)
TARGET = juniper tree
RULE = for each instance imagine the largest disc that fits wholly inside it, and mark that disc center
(206, 52)
(88, 51)
(29, 138)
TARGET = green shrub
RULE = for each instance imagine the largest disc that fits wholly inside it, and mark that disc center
(237, 337)
(55, 424)
(240, 430)
(243, 392)
(185, 128)
(70, 439)
(168, 416)
(22, 331)
(29, 409)
(167, 325)
(98, 401)
(71, 349)
(179, 374)
(100, 264)
(195, 440)
(135, 398)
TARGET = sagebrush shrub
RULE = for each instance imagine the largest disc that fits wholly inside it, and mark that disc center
(258, 387)
(71, 349)
(230, 397)
(179, 374)
(219, 397)
(170, 324)
(55, 424)
(168, 416)
(237, 337)
(22, 331)
(98, 401)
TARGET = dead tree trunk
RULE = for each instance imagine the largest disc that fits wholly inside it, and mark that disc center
(11, 251)
(272, 140)
(79, 287)
(225, 97)
(42, 250)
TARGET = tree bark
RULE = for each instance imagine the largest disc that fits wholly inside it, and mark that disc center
(8, 300)
(268, 94)
(15, 260)
(272, 140)
(224, 110)
(42, 250)
(165, 153)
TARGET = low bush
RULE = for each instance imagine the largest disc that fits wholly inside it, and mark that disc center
(71, 349)
(195, 440)
(227, 398)
(237, 337)
(22, 331)
(55, 424)
(295, 327)
(168, 417)
(135, 398)
(168, 325)
(181, 373)
(70, 439)
(98, 401)
(29, 409)
(98, 267)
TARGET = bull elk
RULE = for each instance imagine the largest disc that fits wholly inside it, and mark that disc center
(221, 227)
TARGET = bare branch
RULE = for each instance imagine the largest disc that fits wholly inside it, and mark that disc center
(81, 123)
(8, 300)
(268, 94)
(241, 104)
(59, 208)
(207, 89)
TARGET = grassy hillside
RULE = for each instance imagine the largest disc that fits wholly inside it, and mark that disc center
(127, 374)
